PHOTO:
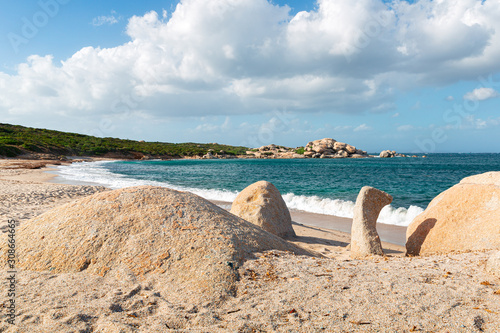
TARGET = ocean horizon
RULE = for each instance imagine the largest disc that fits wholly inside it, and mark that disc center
(321, 186)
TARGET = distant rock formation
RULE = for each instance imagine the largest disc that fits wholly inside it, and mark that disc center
(262, 204)
(209, 156)
(387, 154)
(392, 153)
(189, 244)
(365, 240)
(464, 217)
(273, 151)
(330, 148)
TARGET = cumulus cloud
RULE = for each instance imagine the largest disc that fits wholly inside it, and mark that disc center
(225, 57)
(481, 94)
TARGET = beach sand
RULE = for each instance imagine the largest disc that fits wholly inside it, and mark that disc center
(278, 292)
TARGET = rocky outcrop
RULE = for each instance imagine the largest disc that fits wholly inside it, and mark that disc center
(177, 238)
(273, 151)
(209, 156)
(364, 237)
(330, 148)
(262, 204)
(465, 217)
(387, 154)
(350, 149)
(392, 153)
(309, 153)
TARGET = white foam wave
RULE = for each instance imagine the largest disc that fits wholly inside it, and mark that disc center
(399, 216)
(315, 204)
(344, 208)
(97, 173)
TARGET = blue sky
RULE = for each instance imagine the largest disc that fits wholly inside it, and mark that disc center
(410, 76)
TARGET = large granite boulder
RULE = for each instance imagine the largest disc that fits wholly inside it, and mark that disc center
(350, 149)
(365, 240)
(465, 217)
(328, 147)
(190, 245)
(309, 153)
(262, 204)
(320, 146)
(339, 146)
(342, 154)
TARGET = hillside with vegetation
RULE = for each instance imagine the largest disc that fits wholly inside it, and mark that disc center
(18, 140)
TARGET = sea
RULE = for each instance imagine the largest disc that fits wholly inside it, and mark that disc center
(322, 186)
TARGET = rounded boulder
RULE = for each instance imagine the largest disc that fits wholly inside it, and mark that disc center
(262, 204)
(465, 217)
(185, 241)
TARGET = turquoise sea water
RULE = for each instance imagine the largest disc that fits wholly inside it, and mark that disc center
(327, 186)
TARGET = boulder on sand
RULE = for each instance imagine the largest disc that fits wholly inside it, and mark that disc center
(364, 237)
(181, 240)
(465, 217)
(262, 204)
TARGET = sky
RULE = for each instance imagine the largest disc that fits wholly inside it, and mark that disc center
(411, 76)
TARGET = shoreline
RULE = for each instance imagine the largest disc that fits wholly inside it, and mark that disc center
(335, 229)
(393, 235)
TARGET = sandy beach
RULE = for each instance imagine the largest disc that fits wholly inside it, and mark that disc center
(277, 292)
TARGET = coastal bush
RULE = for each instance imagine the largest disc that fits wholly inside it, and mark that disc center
(9, 141)
(62, 143)
(300, 150)
(9, 151)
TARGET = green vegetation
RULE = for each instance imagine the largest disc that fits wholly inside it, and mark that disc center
(300, 150)
(16, 140)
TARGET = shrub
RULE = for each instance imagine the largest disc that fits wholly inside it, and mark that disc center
(9, 151)
(300, 150)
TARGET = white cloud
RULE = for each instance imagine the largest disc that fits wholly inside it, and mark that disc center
(405, 128)
(395, 115)
(109, 20)
(481, 94)
(479, 124)
(362, 128)
(224, 57)
(450, 98)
